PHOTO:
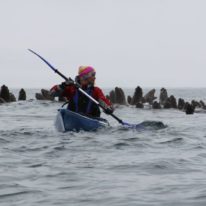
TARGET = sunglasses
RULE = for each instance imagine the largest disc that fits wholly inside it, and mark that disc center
(87, 76)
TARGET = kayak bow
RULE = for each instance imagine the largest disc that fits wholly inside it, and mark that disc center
(67, 120)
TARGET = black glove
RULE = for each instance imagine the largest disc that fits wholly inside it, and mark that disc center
(52, 93)
(108, 110)
(69, 82)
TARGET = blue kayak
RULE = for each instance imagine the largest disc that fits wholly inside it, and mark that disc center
(67, 120)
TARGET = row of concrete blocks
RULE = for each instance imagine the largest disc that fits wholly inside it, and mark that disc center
(117, 96)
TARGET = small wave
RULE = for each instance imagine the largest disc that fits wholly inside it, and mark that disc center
(17, 193)
(3, 141)
(132, 139)
(158, 167)
(199, 147)
(175, 140)
(59, 148)
(26, 132)
(124, 167)
(120, 145)
(202, 155)
(14, 133)
(29, 149)
(35, 165)
(201, 197)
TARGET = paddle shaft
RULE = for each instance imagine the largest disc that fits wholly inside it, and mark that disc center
(76, 84)
(96, 102)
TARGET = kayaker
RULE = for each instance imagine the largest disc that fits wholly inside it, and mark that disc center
(78, 102)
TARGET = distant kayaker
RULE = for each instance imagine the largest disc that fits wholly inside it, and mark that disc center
(78, 102)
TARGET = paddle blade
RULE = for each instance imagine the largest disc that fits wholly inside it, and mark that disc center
(44, 60)
(145, 125)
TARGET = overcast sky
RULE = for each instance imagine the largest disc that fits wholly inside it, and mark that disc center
(151, 43)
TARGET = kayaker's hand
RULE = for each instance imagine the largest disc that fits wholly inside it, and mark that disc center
(108, 110)
(54, 91)
(69, 82)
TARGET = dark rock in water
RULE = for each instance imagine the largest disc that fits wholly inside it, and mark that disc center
(6, 96)
(173, 102)
(22, 95)
(5, 93)
(167, 104)
(163, 96)
(47, 95)
(139, 105)
(149, 97)
(189, 109)
(2, 100)
(156, 105)
(137, 97)
(181, 103)
(117, 96)
(170, 103)
(195, 104)
(120, 96)
(129, 100)
(44, 95)
(202, 104)
(112, 96)
(12, 98)
(39, 96)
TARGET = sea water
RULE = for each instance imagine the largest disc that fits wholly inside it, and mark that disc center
(113, 166)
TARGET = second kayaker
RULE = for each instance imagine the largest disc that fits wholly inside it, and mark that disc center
(78, 102)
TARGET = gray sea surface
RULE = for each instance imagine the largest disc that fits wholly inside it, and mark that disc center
(113, 166)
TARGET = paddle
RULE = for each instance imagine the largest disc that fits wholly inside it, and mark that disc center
(78, 86)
